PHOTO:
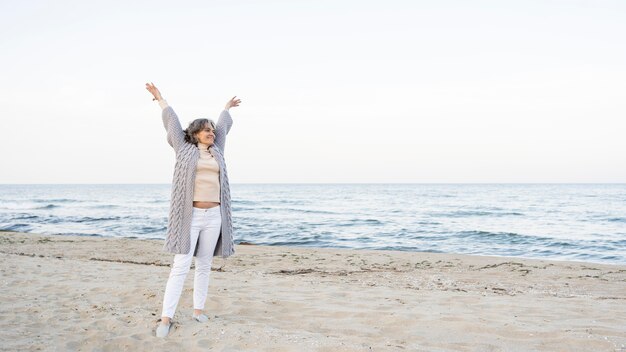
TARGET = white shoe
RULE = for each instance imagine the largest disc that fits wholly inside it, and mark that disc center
(201, 318)
(162, 330)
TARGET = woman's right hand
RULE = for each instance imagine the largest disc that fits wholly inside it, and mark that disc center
(154, 90)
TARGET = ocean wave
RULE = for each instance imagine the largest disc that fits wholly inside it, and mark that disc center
(607, 247)
(434, 195)
(505, 237)
(293, 201)
(24, 217)
(616, 219)
(308, 211)
(22, 206)
(151, 229)
(52, 219)
(244, 202)
(292, 243)
(58, 200)
(16, 227)
(618, 242)
(612, 258)
(424, 222)
(464, 213)
(561, 245)
(443, 237)
(105, 206)
(278, 209)
(575, 256)
(79, 234)
(90, 219)
(354, 222)
(239, 208)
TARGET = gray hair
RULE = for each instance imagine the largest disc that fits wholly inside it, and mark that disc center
(196, 126)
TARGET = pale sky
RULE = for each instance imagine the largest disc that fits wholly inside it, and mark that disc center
(332, 91)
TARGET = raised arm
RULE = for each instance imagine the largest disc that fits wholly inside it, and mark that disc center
(222, 127)
(175, 134)
(224, 123)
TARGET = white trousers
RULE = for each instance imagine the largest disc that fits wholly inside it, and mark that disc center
(205, 230)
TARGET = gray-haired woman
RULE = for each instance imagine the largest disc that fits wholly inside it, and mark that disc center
(200, 220)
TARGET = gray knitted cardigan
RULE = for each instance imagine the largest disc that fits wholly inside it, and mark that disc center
(177, 238)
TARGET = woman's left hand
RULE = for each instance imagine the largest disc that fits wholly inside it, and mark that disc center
(232, 102)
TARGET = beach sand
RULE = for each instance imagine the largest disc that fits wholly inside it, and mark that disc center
(104, 294)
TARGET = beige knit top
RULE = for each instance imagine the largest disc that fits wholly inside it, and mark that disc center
(207, 182)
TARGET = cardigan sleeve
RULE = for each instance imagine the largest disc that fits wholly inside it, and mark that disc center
(175, 134)
(224, 123)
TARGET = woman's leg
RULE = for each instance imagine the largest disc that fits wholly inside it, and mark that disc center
(178, 273)
(204, 258)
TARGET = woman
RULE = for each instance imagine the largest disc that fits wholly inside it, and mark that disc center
(200, 221)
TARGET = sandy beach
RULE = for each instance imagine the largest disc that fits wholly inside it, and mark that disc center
(80, 293)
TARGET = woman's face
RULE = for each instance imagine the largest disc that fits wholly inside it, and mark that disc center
(206, 135)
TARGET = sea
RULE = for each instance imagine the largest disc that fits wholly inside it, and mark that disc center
(579, 222)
